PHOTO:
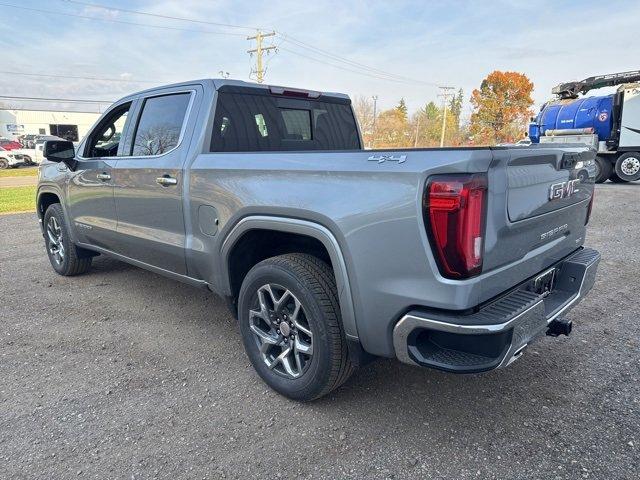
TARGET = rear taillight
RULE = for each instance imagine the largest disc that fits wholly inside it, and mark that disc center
(455, 210)
(590, 207)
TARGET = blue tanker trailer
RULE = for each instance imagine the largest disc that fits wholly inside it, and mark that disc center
(608, 123)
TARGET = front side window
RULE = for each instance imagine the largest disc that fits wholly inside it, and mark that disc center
(104, 140)
(160, 124)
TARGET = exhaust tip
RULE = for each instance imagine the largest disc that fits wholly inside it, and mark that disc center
(560, 327)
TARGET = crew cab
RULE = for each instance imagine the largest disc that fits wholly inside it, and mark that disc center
(328, 254)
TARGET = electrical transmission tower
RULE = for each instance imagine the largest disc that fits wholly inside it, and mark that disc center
(446, 94)
(259, 51)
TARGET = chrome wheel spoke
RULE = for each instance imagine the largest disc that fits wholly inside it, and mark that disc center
(52, 237)
(265, 337)
(286, 363)
(304, 329)
(302, 347)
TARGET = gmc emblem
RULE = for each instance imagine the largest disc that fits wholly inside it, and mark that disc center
(563, 189)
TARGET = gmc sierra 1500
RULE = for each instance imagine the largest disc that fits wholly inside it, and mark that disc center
(329, 255)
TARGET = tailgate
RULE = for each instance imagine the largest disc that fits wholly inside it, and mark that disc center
(543, 182)
(538, 210)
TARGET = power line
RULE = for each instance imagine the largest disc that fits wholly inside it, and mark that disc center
(73, 77)
(355, 64)
(158, 15)
(284, 36)
(111, 20)
(341, 67)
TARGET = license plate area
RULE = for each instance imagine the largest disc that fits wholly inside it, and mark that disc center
(544, 283)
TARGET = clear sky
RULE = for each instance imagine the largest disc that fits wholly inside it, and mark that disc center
(453, 43)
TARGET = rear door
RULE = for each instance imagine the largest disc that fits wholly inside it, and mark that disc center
(148, 184)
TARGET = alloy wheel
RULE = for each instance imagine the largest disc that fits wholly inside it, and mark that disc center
(54, 240)
(630, 166)
(281, 331)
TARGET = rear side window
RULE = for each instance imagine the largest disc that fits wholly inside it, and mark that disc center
(160, 124)
(253, 122)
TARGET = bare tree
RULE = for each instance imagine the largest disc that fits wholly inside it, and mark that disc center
(363, 107)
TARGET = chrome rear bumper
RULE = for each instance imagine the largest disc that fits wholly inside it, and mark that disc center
(498, 333)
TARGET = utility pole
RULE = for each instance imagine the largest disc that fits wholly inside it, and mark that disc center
(373, 134)
(445, 98)
(415, 141)
(259, 50)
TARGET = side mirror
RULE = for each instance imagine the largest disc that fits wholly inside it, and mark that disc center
(60, 151)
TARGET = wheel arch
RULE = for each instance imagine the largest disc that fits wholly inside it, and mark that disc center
(46, 196)
(310, 236)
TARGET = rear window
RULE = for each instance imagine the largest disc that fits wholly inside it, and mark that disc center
(254, 122)
(160, 124)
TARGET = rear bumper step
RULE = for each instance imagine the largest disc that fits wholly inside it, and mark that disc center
(499, 332)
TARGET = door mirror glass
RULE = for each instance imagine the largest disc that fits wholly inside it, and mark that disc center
(59, 150)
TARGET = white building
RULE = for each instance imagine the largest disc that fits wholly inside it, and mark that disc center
(69, 125)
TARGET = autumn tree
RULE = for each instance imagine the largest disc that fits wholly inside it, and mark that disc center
(393, 128)
(501, 108)
(426, 124)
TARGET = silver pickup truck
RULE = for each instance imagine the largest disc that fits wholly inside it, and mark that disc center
(329, 255)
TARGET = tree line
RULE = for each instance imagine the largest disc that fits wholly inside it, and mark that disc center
(501, 111)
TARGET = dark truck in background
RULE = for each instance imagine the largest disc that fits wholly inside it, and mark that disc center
(329, 255)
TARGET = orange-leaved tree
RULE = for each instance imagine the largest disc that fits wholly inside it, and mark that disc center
(501, 108)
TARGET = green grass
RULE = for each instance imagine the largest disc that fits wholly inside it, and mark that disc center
(19, 172)
(17, 199)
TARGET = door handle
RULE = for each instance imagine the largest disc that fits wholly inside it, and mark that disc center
(166, 180)
(103, 176)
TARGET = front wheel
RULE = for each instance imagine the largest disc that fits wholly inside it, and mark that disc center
(628, 167)
(4, 164)
(66, 259)
(291, 326)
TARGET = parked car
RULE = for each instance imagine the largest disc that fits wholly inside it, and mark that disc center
(8, 144)
(28, 141)
(329, 255)
(10, 159)
(29, 156)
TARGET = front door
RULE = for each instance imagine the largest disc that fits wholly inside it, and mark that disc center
(149, 183)
(90, 187)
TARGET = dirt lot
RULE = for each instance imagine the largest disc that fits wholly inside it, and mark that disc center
(125, 374)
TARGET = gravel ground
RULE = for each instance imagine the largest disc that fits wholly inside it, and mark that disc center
(124, 374)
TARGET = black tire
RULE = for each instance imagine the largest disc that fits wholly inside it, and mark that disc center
(74, 260)
(4, 164)
(310, 281)
(628, 166)
(604, 169)
(615, 178)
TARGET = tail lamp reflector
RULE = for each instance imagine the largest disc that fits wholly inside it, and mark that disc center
(455, 209)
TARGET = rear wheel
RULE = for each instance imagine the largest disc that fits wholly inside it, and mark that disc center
(603, 169)
(66, 259)
(628, 166)
(291, 328)
(4, 164)
(615, 178)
